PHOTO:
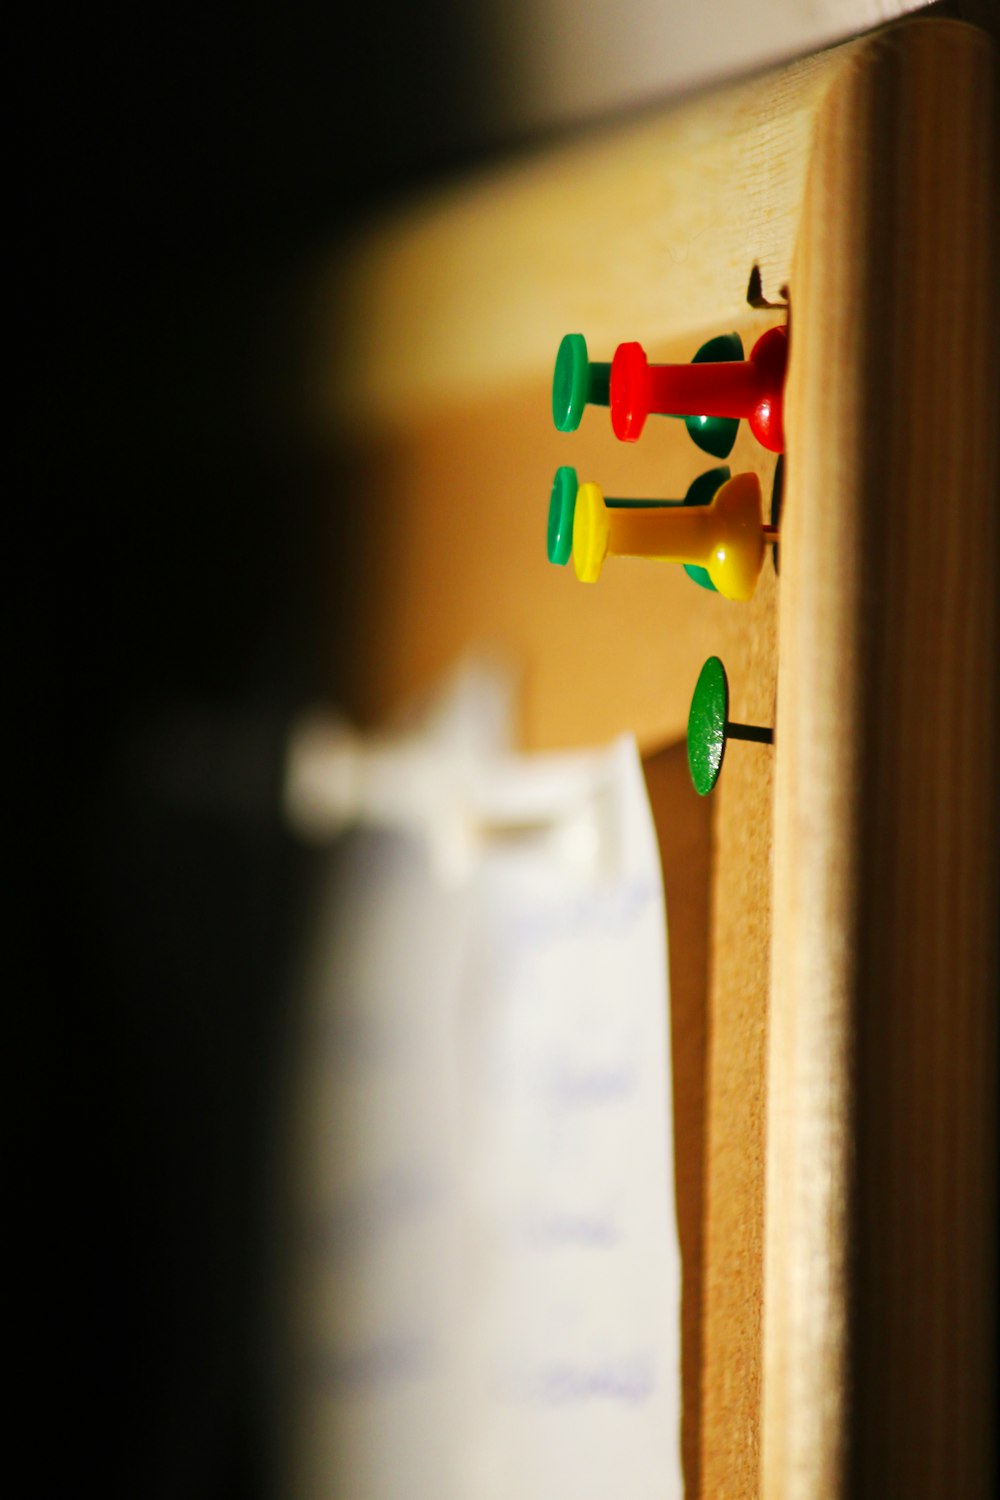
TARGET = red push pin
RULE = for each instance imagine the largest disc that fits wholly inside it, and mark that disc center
(752, 388)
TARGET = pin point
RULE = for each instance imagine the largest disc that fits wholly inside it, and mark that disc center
(751, 388)
(578, 381)
(726, 537)
(562, 508)
(709, 727)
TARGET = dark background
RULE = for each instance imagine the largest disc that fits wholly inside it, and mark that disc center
(177, 169)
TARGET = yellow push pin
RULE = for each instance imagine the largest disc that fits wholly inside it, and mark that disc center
(728, 537)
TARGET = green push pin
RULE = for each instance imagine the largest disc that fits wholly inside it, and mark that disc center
(578, 381)
(562, 508)
(709, 727)
(715, 435)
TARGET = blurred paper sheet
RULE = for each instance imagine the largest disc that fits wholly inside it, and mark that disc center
(486, 1280)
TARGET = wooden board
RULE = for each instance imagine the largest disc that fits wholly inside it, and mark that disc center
(881, 1080)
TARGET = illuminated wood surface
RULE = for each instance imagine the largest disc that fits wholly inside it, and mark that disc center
(880, 1191)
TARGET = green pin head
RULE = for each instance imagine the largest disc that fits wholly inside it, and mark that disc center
(576, 381)
(569, 382)
(716, 435)
(562, 504)
(706, 735)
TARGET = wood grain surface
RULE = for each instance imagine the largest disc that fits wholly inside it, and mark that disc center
(880, 1294)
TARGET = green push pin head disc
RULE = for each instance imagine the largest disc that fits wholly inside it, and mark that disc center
(706, 736)
(562, 504)
(575, 382)
(716, 435)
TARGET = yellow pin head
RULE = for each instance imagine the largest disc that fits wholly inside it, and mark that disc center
(591, 532)
(738, 551)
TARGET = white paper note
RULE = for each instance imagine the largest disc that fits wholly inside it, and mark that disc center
(486, 1282)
